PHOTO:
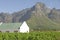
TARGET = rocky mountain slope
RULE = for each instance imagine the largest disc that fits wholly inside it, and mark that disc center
(38, 17)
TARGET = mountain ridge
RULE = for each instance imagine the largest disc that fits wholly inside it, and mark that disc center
(38, 17)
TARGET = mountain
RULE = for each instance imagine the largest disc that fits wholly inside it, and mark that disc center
(38, 17)
(5, 17)
(54, 15)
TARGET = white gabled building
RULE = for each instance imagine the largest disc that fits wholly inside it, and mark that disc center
(24, 28)
(1, 23)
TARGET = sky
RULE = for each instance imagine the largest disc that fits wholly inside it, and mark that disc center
(18, 5)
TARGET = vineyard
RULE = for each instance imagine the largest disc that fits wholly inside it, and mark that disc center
(30, 36)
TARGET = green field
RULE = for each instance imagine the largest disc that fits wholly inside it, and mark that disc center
(30, 36)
